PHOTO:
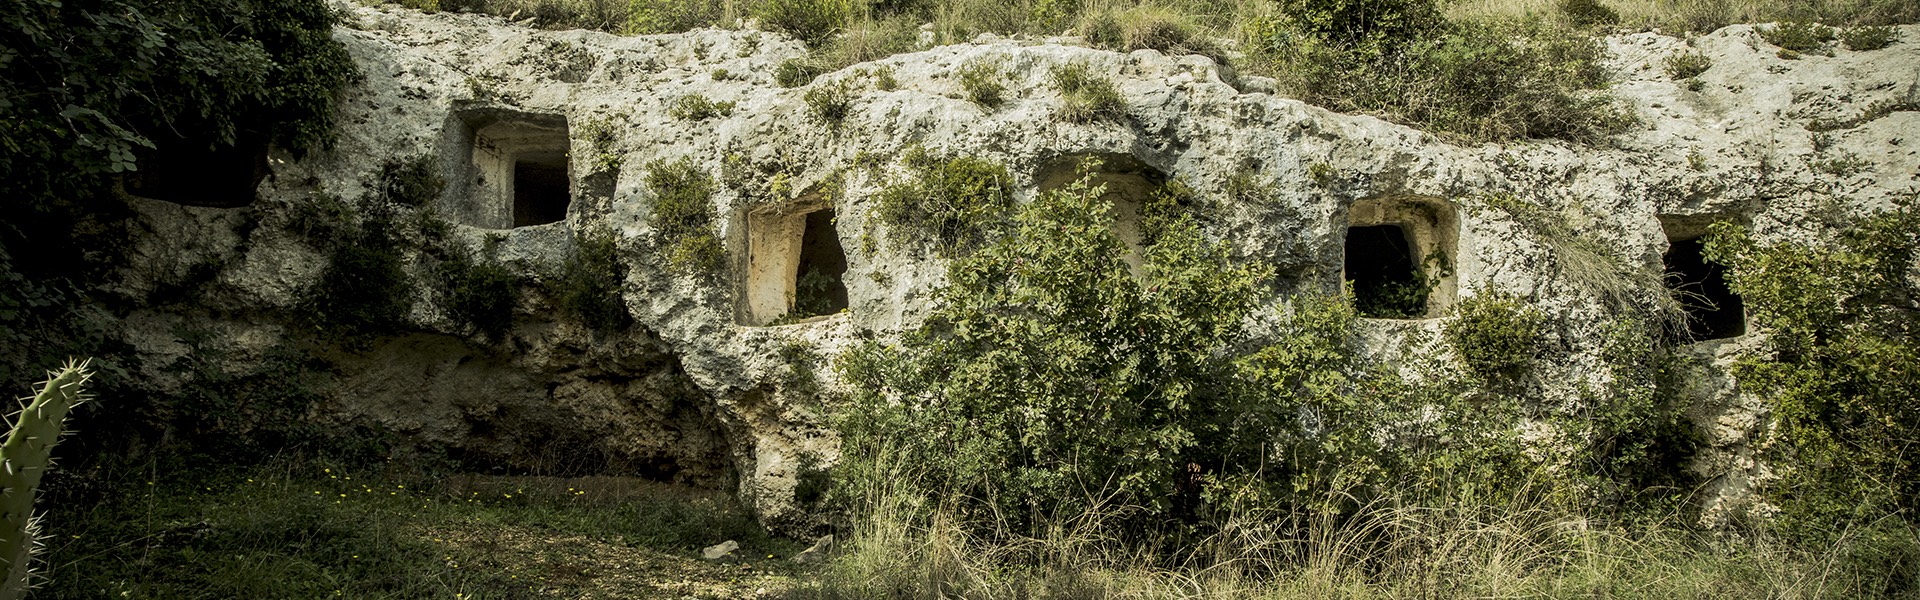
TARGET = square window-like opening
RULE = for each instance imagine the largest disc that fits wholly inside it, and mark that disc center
(795, 266)
(540, 193)
(1399, 257)
(194, 174)
(517, 173)
(1713, 310)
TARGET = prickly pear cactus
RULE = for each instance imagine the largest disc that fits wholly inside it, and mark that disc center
(23, 459)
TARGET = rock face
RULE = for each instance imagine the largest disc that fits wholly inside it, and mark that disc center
(545, 137)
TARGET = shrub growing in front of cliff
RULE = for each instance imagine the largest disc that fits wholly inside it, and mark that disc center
(1495, 335)
(685, 223)
(1841, 366)
(954, 202)
(591, 280)
(480, 291)
(364, 291)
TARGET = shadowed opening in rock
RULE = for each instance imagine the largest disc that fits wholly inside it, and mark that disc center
(819, 286)
(1399, 257)
(795, 265)
(182, 172)
(1713, 310)
(540, 193)
(1383, 272)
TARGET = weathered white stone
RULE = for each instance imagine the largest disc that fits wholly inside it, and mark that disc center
(1737, 148)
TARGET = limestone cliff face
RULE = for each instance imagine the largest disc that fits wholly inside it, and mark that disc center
(543, 136)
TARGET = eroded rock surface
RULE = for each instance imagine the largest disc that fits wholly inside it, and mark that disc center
(697, 390)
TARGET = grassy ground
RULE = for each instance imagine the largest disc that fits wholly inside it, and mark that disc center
(300, 532)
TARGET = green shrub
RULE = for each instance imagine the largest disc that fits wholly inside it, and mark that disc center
(695, 107)
(591, 283)
(1049, 379)
(1588, 13)
(1861, 39)
(883, 79)
(322, 220)
(1085, 97)
(364, 291)
(1371, 27)
(1147, 27)
(685, 222)
(1798, 36)
(980, 78)
(810, 21)
(412, 183)
(670, 16)
(1482, 81)
(1687, 65)
(795, 72)
(1841, 365)
(480, 292)
(956, 202)
(831, 102)
(1496, 335)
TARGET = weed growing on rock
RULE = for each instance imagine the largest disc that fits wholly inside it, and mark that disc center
(695, 107)
(1085, 97)
(1495, 335)
(980, 78)
(795, 72)
(1861, 39)
(604, 139)
(1798, 36)
(955, 202)
(831, 102)
(1687, 65)
(480, 291)
(413, 182)
(591, 283)
(684, 219)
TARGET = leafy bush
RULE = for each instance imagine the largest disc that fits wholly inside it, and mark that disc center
(591, 283)
(1798, 36)
(1841, 367)
(1861, 39)
(1129, 366)
(695, 107)
(980, 78)
(1483, 81)
(671, 16)
(1369, 27)
(955, 201)
(364, 291)
(1495, 335)
(1588, 13)
(480, 292)
(684, 220)
(795, 72)
(1687, 65)
(1085, 97)
(810, 21)
(413, 183)
(1147, 27)
(831, 102)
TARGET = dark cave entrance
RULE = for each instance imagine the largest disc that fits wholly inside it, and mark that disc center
(186, 173)
(1713, 310)
(1385, 276)
(540, 188)
(818, 286)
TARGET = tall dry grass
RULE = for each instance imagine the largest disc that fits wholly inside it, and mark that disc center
(900, 544)
(1706, 15)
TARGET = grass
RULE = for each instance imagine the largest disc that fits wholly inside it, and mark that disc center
(1405, 545)
(1679, 16)
(695, 107)
(1086, 97)
(980, 78)
(314, 530)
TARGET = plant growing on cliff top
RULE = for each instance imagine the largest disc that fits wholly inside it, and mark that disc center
(831, 102)
(980, 79)
(1841, 368)
(955, 202)
(684, 220)
(1085, 97)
